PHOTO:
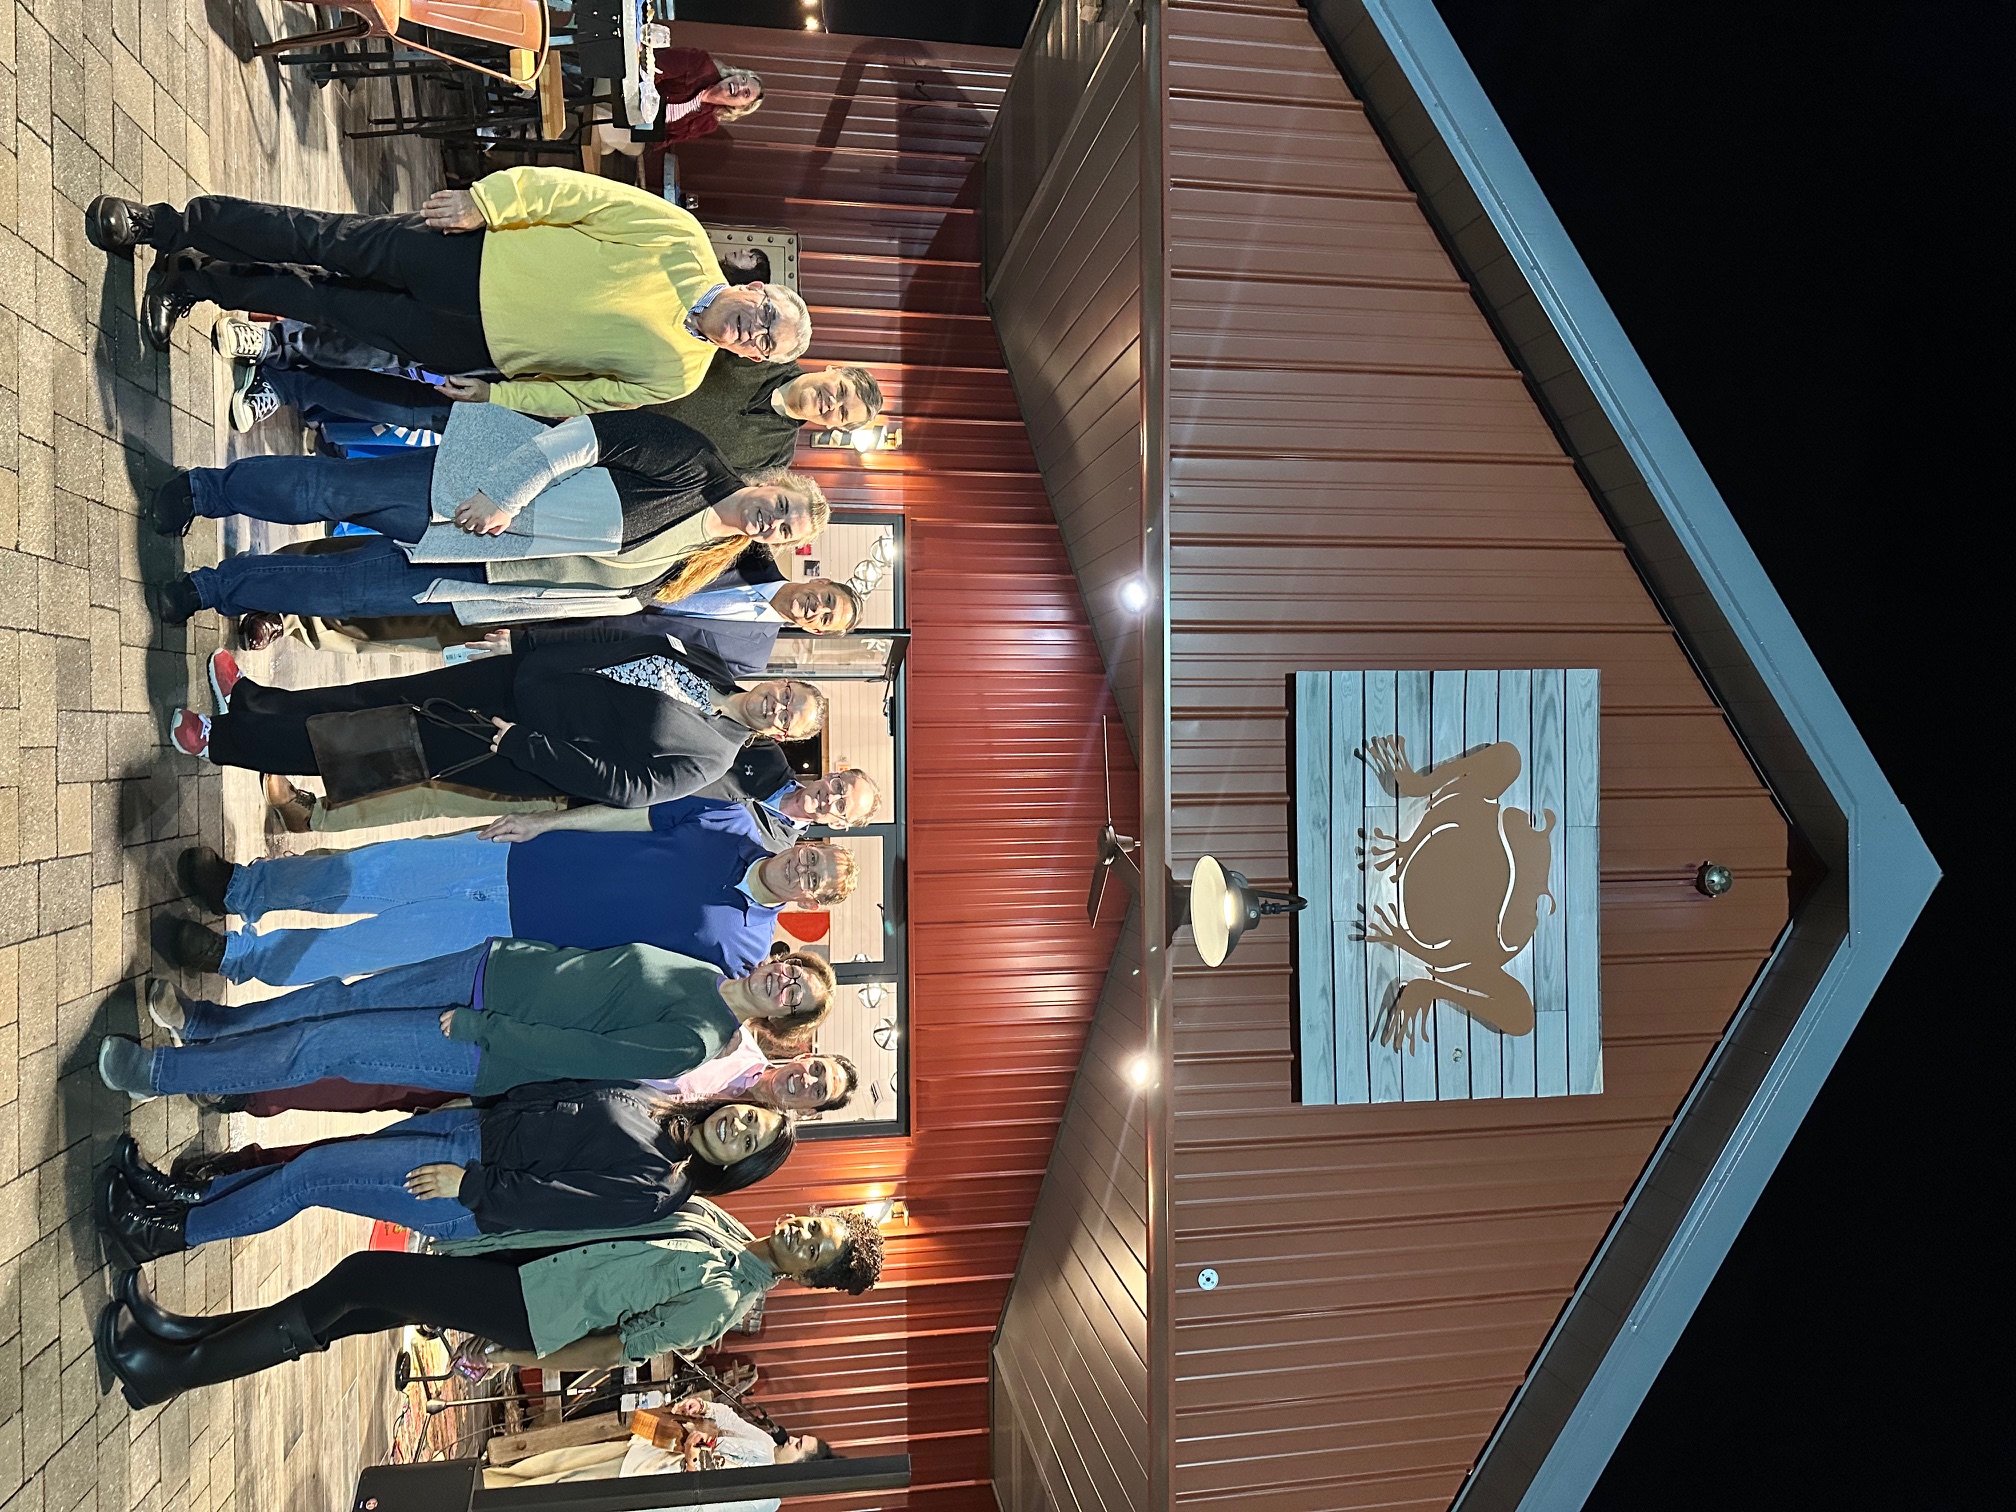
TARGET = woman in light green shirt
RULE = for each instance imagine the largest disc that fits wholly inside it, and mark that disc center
(588, 1300)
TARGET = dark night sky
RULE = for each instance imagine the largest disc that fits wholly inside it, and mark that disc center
(1784, 202)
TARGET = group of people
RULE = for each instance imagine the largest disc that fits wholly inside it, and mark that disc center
(579, 1005)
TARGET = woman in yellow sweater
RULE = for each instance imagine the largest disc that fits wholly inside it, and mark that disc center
(586, 294)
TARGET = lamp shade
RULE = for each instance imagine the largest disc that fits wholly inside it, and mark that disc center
(1217, 910)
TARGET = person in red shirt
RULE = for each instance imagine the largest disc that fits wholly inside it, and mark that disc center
(699, 98)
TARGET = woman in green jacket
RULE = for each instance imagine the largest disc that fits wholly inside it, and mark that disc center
(479, 1022)
(677, 1285)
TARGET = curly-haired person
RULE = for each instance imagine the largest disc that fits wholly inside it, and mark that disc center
(561, 1300)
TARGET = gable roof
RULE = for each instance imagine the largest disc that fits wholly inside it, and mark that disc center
(1652, 1271)
(1297, 269)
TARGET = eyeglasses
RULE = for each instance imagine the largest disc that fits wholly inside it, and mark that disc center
(764, 337)
(796, 993)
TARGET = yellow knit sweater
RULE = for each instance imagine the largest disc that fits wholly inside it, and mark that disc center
(586, 284)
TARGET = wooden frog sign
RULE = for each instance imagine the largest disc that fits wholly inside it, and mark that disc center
(1468, 881)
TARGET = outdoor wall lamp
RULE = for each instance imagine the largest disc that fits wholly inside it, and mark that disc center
(1218, 904)
(883, 435)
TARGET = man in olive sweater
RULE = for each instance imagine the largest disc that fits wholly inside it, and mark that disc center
(751, 412)
(480, 1021)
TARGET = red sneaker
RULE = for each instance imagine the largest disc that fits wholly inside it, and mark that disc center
(224, 675)
(189, 733)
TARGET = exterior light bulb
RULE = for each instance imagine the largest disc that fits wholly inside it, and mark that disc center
(1134, 595)
(1137, 1071)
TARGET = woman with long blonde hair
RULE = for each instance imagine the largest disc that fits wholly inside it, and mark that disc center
(507, 521)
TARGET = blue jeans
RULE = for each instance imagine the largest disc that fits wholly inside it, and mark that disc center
(373, 398)
(365, 1175)
(384, 1029)
(371, 579)
(446, 981)
(391, 495)
(425, 897)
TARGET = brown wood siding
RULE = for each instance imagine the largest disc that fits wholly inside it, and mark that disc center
(867, 148)
(1359, 479)
(1065, 288)
(1071, 1372)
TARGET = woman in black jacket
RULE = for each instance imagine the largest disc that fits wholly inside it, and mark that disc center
(550, 1155)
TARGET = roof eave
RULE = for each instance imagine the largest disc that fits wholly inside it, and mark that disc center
(1701, 1184)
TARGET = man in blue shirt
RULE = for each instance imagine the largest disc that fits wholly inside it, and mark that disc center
(692, 875)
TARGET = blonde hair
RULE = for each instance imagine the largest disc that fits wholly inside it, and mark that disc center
(846, 875)
(703, 564)
(727, 113)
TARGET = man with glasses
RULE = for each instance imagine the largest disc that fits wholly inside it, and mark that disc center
(692, 875)
(762, 322)
(585, 293)
(789, 807)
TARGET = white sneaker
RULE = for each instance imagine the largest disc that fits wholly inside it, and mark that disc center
(244, 340)
(164, 1006)
(253, 399)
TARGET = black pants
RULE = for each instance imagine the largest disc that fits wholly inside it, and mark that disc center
(384, 279)
(378, 1290)
(267, 728)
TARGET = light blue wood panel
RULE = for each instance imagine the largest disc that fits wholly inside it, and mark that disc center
(1414, 702)
(1382, 962)
(1584, 877)
(1452, 1024)
(1347, 889)
(1480, 728)
(1550, 943)
(1314, 872)
(1515, 724)
(1550, 717)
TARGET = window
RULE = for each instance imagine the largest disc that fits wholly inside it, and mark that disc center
(861, 675)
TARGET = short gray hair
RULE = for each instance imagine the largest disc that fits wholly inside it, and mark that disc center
(788, 300)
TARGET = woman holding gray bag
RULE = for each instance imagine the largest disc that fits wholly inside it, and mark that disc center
(509, 520)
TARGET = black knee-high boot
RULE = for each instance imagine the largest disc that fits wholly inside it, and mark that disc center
(152, 1370)
(130, 1287)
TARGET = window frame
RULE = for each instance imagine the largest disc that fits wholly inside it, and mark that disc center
(893, 829)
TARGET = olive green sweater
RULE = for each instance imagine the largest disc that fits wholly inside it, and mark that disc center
(630, 1013)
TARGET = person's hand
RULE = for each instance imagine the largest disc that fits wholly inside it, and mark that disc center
(511, 827)
(434, 1181)
(503, 729)
(452, 210)
(447, 1021)
(479, 514)
(465, 390)
(496, 643)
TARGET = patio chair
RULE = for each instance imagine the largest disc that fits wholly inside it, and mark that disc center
(520, 26)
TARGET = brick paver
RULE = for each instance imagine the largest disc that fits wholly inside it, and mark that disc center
(147, 98)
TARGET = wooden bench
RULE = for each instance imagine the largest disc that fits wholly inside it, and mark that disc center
(1346, 985)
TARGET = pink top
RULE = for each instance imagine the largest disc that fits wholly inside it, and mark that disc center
(734, 1070)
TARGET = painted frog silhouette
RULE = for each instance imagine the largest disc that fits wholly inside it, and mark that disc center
(1468, 882)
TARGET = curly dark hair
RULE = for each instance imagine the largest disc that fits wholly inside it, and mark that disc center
(858, 1266)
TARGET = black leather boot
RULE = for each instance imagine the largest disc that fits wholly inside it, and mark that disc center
(192, 946)
(152, 1371)
(149, 1183)
(139, 1232)
(164, 302)
(130, 1287)
(172, 510)
(116, 225)
(205, 876)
